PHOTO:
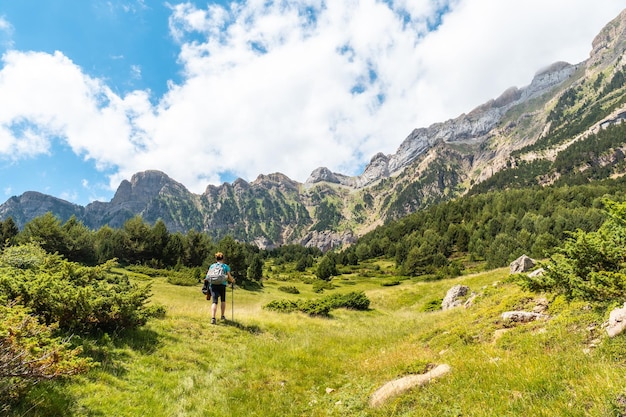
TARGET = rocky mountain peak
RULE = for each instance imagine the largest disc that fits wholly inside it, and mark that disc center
(322, 174)
(610, 42)
(142, 187)
(276, 180)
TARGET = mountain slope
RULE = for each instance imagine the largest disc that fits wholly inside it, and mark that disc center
(541, 133)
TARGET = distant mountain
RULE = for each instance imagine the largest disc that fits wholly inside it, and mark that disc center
(536, 135)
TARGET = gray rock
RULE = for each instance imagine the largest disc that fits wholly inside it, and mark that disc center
(522, 316)
(617, 321)
(522, 264)
(453, 297)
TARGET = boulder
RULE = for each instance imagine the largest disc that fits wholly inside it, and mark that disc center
(522, 264)
(453, 297)
(617, 321)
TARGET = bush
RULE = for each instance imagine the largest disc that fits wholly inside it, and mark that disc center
(315, 307)
(319, 286)
(285, 306)
(78, 298)
(182, 278)
(322, 306)
(590, 265)
(29, 353)
(290, 289)
(353, 301)
(432, 305)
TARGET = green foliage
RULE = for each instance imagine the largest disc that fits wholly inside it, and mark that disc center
(356, 300)
(327, 267)
(493, 228)
(320, 285)
(327, 215)
(432, 305)
(255, 269)
(8, 231)
(285, 306)
(78, 298)
(590, 265)
(29, 353)
(290, 289)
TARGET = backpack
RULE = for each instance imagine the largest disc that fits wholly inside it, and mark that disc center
(216, 275)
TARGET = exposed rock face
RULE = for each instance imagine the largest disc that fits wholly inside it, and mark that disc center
(327, 240)
(609, 44)
(32, 204)
(376, 169)
(432, 164)
(324, 174)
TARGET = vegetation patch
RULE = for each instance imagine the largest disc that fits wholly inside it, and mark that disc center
(322, 306)
(290, 289)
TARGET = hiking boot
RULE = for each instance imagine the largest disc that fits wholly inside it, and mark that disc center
(213, 320)
(223, 317)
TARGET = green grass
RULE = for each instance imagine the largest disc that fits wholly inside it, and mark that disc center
(275, 364)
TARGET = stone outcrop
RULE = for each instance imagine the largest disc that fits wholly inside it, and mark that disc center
(521, 316)
(327, 240)
(454, 297)
(522, 264)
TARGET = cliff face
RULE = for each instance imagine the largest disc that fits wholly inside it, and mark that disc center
(432, 164)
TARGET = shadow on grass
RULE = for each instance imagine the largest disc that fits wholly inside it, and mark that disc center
(46, 399)
(247, 328)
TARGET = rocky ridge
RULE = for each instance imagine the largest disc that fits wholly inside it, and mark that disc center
(330, 209)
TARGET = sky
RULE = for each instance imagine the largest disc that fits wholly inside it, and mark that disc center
(94, 91)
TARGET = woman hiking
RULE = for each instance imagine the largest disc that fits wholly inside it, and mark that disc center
(219, 277)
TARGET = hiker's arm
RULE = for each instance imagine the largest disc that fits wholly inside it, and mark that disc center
(230, 277)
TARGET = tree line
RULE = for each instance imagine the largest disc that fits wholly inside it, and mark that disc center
(136, 243)
(494, 227)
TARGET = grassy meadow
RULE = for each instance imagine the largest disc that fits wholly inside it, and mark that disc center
(267, 363)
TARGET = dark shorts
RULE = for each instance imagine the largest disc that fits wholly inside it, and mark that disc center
(218, 291)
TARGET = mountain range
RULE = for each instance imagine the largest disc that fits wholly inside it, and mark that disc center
(521, 138)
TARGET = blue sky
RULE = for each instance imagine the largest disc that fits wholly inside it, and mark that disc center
(92, 92)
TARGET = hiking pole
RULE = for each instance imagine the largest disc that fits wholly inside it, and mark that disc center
(232, 300)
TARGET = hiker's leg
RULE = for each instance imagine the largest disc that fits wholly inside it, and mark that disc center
(214, 309)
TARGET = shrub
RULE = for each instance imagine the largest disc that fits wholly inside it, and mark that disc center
(322, 306)
(315, 307)
(352, 300)
(29, 353)
(78, 298)
(590, 265)
(432, 305)
(289, 289)
(182, 278)
(319, 286)
(285, 306)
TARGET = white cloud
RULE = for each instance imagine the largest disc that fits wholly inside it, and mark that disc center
(293, 85)
(6, 33)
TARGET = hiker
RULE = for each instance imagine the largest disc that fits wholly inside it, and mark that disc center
(218, 290)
